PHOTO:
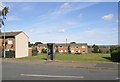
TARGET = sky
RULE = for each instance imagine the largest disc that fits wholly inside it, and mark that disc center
(81, 22)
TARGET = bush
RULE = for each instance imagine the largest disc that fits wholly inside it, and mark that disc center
(34, 52)
(107, 51)
(95, 49)
(9, 54)
(115, 55)
(112, 48)
(44, 50)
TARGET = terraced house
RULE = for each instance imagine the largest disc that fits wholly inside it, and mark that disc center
(15, 41)
(80, 48)
(40, 47)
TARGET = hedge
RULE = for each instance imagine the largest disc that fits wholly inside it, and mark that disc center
(44, 50)
(34, 52)
(9, 54)
(115, 55)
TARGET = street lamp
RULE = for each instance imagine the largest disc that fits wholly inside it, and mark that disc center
(66, 40)
(4, 32)
(4, 42)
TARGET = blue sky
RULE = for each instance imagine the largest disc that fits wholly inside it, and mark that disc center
(82, 22)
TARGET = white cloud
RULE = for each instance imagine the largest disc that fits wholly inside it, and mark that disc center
(108, 17)
(28, 8)
(1, 5)
(56, 31)
(61, 30)
(69, 7)
(61, 0)
(12, 18)
(65, 6)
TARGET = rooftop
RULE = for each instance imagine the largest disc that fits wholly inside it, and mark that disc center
(8, 34)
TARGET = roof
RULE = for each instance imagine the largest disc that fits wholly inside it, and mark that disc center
(42, 45)
(64, 44)
(79, 44)
(9, 34)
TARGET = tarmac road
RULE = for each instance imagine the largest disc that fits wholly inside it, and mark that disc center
(16, 71)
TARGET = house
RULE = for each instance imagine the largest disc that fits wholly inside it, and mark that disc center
(40, 47)
(15, 41)
(80, 48)
(62, 48)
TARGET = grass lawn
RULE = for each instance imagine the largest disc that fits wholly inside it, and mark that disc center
(74, 58)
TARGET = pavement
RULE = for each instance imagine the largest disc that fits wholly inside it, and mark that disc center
(85, 65)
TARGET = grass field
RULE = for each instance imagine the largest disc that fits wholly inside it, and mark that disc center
(74, 58)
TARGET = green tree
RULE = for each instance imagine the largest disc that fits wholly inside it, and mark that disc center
(44, 50)
(95, 48)
(112, 48)
(69, 51)
(72, 42)
(36, 43)
(3, 15)
(56, 49)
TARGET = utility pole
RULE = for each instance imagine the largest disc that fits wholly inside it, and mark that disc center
(4, 42)
(4, 33)
(66, 40)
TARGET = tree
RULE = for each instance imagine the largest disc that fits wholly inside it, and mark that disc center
(69, 51)
(3, 15)
(72, 42)
(36, 43)
(30, 45)
(112, 48)
(56, 49)
(95, 48)
(44, 50)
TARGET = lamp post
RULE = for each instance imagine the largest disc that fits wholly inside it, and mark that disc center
(66, 40)
(4, 42)
(4, 33)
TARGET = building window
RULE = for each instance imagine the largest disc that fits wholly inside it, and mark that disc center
(83, 51)
(72, 47)
(76, 46)
(83, 46)
(72, 51)
(10, 41)
(60, 50)
(39, 51)
(65, 50)
(61, 46)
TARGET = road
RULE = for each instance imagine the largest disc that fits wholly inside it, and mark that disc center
(13, 71)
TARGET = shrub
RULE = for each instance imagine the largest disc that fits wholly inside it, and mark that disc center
(115, 55)
(34, 52)
(112, 48)
(95, 49)
(9, 54)
(107, 51)
(56, 51)
(100, 51)
(44, 50)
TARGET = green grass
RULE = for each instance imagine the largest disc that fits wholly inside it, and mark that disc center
(74, 58)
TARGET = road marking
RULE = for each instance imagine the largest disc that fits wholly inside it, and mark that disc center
(51, 76)
(118, 78)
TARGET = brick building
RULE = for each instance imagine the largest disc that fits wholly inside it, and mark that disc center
(15, 41)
